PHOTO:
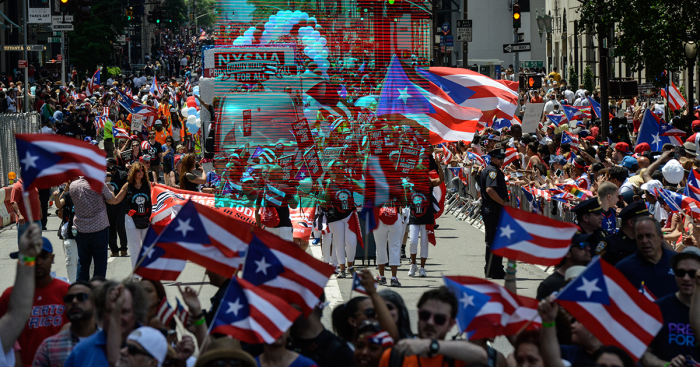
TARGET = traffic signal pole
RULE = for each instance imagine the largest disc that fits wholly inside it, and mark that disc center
(26, 56)
(516, 63)
(63, 58)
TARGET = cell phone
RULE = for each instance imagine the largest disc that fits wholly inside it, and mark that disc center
(558, 173)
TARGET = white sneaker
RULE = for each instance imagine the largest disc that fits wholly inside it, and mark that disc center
(412, 270)
(421, 273)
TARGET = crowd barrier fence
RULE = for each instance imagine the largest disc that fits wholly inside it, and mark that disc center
(11, 124)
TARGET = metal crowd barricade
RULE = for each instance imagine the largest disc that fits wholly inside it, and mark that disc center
(463, 201)
(11, 123)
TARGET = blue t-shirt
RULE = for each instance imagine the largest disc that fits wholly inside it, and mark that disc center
(89, 352)
(676, 336)
(301, 361)
(658, 278)
(610, 221)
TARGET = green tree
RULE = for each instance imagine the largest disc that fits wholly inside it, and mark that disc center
(92, 43)
(573, 78)
(651, 31)
(176, 11)
(588, 79)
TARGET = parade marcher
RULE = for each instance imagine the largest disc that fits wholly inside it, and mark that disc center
(115, 213)
(494, 195)
(650, 265)
(677, 340)
(155, 151)
(47, 315)
(274, 204)
(618, 246)
(70, 248)
(137, 192)
(188, 180)
(54, 350)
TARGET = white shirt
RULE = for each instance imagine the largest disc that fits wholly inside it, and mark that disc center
(577, 102)
(581, 93)
(585, 102)
(569, 95)
(138, 83)
(549, 106)
(47, 130)
(626, 186)
(183, 62)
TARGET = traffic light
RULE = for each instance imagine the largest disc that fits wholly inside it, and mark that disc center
(64, 5)
(130, 13)
(516, 16)
(82, 9)
(151, 16)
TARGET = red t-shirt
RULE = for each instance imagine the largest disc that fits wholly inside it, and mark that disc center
(16, 197)
(46, 319)
(594, 131)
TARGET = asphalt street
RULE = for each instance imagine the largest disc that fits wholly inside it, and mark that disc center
(459, 251)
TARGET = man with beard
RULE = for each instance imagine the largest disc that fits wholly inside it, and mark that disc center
(437, 310)
(54, 350)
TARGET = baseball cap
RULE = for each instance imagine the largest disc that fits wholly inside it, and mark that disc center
(587, 207)
(152, 341)
(641, 148)
(629, 162)
(623, 147)
(559, 159)
(45, 246)
(696, 125)
(673, 171)
(688, 253)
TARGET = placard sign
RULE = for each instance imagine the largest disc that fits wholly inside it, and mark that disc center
(302, 133)
(376, 141)
(532, 117)
(329, 154)
(126, 156)
(136, 122)
(408, 159)
(247, 129)
(287, 164)
(313, 164)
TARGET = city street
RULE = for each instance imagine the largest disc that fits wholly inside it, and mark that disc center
(459, 251)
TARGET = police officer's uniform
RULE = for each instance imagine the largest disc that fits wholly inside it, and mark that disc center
(590, 206)
(492, 176)
(619, 245)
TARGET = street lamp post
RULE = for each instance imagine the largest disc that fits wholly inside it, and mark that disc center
(544, 24)
(691, 50)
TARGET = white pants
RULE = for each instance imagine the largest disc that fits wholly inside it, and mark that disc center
(285, 233)
(388, 241)
(134, 239)
(344, 240)
(70, 247)
(413, 231)
(329, 256)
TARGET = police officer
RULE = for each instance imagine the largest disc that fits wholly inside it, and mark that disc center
(623, 243)
(589, 217)
(494, 194)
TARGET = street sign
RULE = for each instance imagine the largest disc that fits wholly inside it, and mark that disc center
(57, 34)
(450, 40)
(521, 37)
(464, 30)
(532, 64)
(54, 39)
(23, 64)
(21, 48)
(445, 27)
(62, 27)
(516, 47)
(59, 57)
(58, 19)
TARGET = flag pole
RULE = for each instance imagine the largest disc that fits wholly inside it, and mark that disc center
(27, 207)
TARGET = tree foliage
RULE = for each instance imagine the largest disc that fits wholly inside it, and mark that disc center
(588, 79)
(573, 78)
(92, 42)
(651, 31)
(177, 11)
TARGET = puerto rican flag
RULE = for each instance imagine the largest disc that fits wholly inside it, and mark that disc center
(49, 160)
(282, 268)
(467, 88)
(422, 101)
(476, 158)
(487, 310)
(668, 130)
(188, 86)
(446, 155)
(569, 138)
(534, 203)
(207, 237)
(532, 238)
(155, 90)
(545, 194)
(181, 313)
(128, 92)
(100, 122)
(165, 312)
(499, 124)
(93, 84)
(381, 338)
(646, 292)
(511, 156)
(251, 314)
(557, 119)
(650, 133)
(692, 186)
(136, 108)
(611, 308)
(573, 113)
(119, 133)
(674, 97)
(157, 263)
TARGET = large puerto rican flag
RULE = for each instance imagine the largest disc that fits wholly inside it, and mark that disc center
(157, 262)
(467, 88)
(50, 160)
(428, 105)
(93, 84)
(532, 238)
(611, 308)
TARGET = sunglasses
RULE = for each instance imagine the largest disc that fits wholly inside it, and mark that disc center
(82, 297)
(438, 318)
(370, 313)
(682, 272)
(224, 363)
(134, 350)
(581, 245)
